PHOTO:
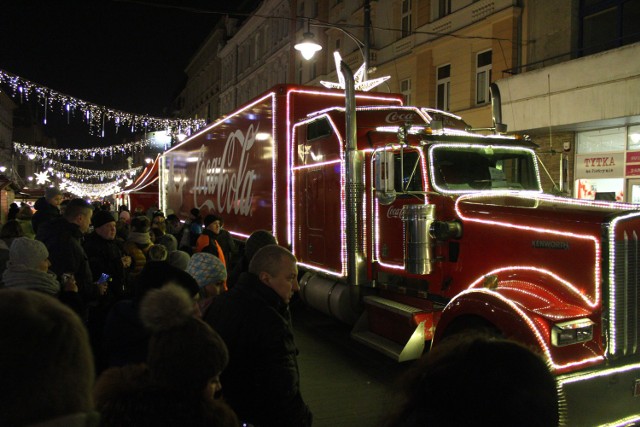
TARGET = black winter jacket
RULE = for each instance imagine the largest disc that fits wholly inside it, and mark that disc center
(105, 256)
(44, 212)
(63, 239)
(261, 382)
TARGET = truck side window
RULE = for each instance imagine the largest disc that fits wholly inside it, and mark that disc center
(318, 129)
(411, 177)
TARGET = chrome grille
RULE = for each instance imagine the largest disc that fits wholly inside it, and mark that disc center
(624, 327)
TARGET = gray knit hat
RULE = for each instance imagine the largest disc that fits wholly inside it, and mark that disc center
(28, 252)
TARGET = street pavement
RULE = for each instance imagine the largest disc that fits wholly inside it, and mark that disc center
(343, 382)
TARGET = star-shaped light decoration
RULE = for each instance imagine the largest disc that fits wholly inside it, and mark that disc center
(358, 77)
(42, 177)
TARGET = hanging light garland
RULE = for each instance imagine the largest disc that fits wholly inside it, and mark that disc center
(34, 152)
(68, 171)
(93, 191)
(95, 115)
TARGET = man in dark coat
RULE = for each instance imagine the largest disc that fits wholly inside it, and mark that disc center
(63, 238)
(47, 207)
(106, 256)
(262, 382)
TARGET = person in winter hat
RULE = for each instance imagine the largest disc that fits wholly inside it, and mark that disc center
(211, 275)
(179, 259)
(47, 207)
(28, 268)
(178, 383)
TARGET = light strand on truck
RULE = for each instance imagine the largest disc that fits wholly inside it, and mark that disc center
(433, 166)
(290, 142)
(594, 239)
(574, 378)
(613, 344)
(572, 288)
(538, 336)
(375, 241)
(631, 420)
(291, 184)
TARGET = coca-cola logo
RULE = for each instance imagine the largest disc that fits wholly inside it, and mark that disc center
(394, 213)
(226, 177)
(395, 117)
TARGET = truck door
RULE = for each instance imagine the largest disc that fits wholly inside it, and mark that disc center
(409, 188)
(317, 208)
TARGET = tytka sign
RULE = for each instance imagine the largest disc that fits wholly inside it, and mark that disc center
(591, 166)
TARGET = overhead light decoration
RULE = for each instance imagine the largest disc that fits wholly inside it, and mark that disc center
(34, 152)
(359, 77)
(75, 172)
(92, 191)
(42, 177)
(95, 115)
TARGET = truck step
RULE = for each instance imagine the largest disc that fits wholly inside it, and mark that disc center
(393, 306)
(411, 350)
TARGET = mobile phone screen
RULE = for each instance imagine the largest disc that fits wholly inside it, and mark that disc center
(104, 277)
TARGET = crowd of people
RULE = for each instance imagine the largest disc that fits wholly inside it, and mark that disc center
(141, 319)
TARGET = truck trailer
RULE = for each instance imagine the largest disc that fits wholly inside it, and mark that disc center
(411, 227)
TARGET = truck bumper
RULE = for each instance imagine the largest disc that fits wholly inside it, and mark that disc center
(608, 396)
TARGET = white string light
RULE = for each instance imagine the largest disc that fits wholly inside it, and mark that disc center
(33, 151)
(95, 115)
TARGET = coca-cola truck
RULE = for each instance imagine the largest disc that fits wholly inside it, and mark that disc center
(412, 227)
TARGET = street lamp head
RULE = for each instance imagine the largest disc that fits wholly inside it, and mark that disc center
(308, 46)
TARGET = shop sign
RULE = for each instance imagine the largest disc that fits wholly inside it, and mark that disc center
(632, 170)
(633, 156)
(591, 166)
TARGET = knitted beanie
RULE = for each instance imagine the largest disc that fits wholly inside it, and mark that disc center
(207, 269)
(168, 241)
(101, 218)
(28, 252)
(179, 259)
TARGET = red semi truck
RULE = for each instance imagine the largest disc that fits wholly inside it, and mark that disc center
(415, 227)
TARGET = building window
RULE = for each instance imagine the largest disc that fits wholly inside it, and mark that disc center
(443, 87)
(405, 89)
(607, 24)
(483, 76)
(444, 8)
(406, 18)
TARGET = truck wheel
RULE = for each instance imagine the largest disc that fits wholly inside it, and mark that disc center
(472, 325)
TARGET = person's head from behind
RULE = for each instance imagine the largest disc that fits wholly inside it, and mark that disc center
(46, 364)
(79, 212)
(11, 228)
(476, 379)
(157, 253)
(257, 240)
(140, 224)
(277, 268)
(25, 213)
(184, 352)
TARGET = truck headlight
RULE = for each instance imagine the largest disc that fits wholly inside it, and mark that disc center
(571, 332)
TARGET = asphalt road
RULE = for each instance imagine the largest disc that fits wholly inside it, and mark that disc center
(344, 382)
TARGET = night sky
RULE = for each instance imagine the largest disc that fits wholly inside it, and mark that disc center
(128, 55)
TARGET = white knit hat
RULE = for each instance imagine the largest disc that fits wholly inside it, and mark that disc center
(28, 252)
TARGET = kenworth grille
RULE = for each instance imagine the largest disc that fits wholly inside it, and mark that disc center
(624, 286)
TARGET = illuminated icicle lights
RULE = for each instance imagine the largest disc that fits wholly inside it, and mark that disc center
(68, 171)
(95, 115)
(83, 153)
(93, 191)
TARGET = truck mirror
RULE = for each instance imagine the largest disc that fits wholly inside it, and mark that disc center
(385, 191)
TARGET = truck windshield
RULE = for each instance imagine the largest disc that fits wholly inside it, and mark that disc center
(460, 168)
